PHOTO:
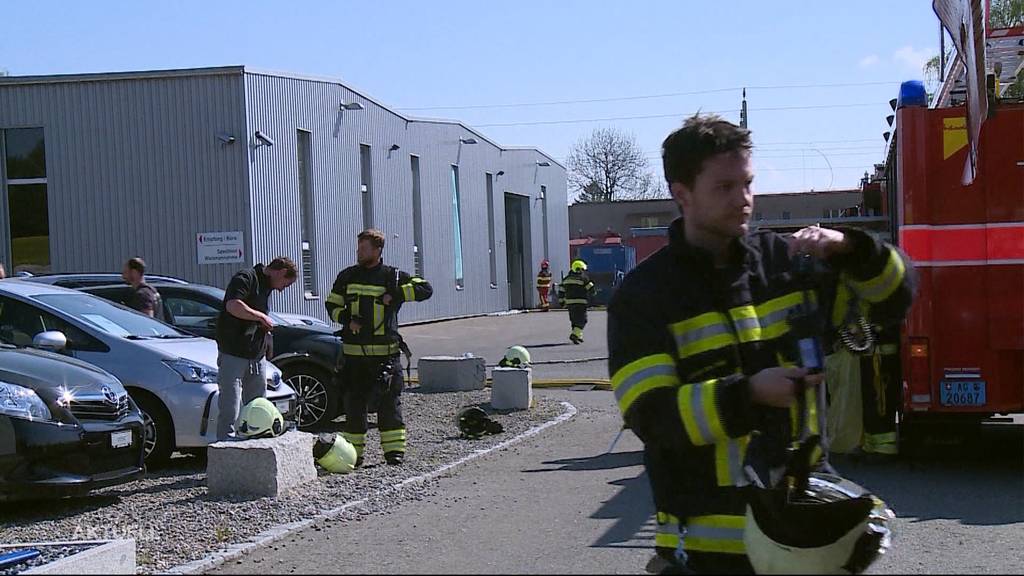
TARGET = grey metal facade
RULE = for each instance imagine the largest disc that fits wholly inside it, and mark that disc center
(135, 167)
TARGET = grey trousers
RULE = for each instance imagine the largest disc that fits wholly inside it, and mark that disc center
(234, 373)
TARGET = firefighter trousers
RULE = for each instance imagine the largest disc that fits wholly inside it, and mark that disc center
(361, 377)
(577, 318)
(880, 378)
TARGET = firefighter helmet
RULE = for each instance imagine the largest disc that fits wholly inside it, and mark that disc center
(260, 419)
(578, 266)
(544, 263)
(334, 454)
(825, 524)
(515, 357)
(473, 422)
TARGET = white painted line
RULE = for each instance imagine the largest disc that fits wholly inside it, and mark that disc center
(276, 533)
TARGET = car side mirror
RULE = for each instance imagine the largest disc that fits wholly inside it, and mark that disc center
(53, 340)
(211, 323)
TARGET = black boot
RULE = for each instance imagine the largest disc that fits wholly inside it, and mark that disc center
(394, 458)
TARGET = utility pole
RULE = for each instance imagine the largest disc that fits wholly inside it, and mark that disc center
(743, 110)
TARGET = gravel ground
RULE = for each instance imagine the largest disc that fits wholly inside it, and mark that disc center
(48, 554)
(174, 520)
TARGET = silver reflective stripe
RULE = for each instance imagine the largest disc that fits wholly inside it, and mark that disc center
(696, 393)
(735, 462)
(639, 377)
(774, 317)
(715, 533)
(746, 323)
(697, 334)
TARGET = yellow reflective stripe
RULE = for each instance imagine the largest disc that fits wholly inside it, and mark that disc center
(729, 460)
(335, 298)
(417, 280)
(590, 285)
(709, 331)
(842, 304)
(641, 376)
(720, 533)
(358, 441)
(748, 328)
(336, 314)
(774, 313)
(572, 282)
(355, 307)
(667, 534)
(369, 349)
(378, 319)
(408, 292)
(391, 435)
(576, 301)
(365, 290)
(699, 413)
(882, 286)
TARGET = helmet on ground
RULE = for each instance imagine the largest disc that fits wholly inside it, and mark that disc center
(473, 422)
(515, 357)
(578, 266)
(260, 419)
(334, 454)
(824, 525)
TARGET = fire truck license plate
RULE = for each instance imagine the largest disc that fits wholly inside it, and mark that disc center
(962, 392)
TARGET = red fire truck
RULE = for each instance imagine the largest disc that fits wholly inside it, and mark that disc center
(963, 345)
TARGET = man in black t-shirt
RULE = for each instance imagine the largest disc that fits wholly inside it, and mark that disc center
(144, 297)
(243, 331)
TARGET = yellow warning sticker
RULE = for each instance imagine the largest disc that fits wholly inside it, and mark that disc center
(954, 135)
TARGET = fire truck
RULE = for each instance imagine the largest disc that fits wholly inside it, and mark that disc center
(963, 342)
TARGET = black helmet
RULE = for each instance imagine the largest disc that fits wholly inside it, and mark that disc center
(818, 524)
(473, 422)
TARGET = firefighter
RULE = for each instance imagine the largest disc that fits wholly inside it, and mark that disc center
(699, 355)
(543, 285)
(365, 300)
(575, 292)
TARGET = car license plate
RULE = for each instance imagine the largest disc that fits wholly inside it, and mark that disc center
(282, 406)
(962, 392)
(121, 439)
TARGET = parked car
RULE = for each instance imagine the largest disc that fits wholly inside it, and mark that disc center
(66, 427)
(306, 352)
(170, 374)
(80, 279)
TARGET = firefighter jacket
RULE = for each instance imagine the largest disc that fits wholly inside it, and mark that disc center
(576, 288)
(685, 336)
(357, 295)
(543, 279)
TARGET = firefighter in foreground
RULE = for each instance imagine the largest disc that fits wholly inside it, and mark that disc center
(365, 300)
(544, 285)
(575, 292)
(698, 349)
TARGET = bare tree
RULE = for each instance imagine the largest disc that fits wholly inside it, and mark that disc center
(610, 165)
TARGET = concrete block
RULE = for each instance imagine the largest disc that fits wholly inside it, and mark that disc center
(105, 557)
(451, 373)
(511, 388)
(262, 467)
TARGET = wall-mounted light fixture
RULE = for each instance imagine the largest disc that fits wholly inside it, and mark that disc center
(467, 140)
(544, 163)
(394, 147)
(226, 138)
(263, 140)
(350, 106)
(500, 173)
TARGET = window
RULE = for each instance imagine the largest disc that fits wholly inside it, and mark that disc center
(366, 187)
(544, 214)
(27, 207)
(307, 214)
(21, 322)
(490, 231)
(649, 222)
(457, 228)
(785, 215)
(758, 216)
(188, 313)
(417, 217)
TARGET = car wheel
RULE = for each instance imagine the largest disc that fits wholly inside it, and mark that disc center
(158, 431)
(316, 401)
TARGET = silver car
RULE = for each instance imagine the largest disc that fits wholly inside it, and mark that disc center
(171, 375)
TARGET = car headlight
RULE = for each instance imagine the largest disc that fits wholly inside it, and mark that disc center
(193, 371)
(21, 402)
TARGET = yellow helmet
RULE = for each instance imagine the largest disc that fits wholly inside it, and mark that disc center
(515, 357)
(260, 419)
(335, 454)
(578, 266)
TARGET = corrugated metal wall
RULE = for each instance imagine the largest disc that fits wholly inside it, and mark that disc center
(279, 106)
(134, 167)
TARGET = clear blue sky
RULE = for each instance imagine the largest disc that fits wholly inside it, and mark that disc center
(465, 53)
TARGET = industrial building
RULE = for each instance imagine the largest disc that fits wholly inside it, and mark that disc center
(205, 171)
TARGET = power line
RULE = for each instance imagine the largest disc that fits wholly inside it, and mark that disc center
(676, 115)
(651, 96)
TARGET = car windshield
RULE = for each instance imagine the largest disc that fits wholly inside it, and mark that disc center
(111, 318)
